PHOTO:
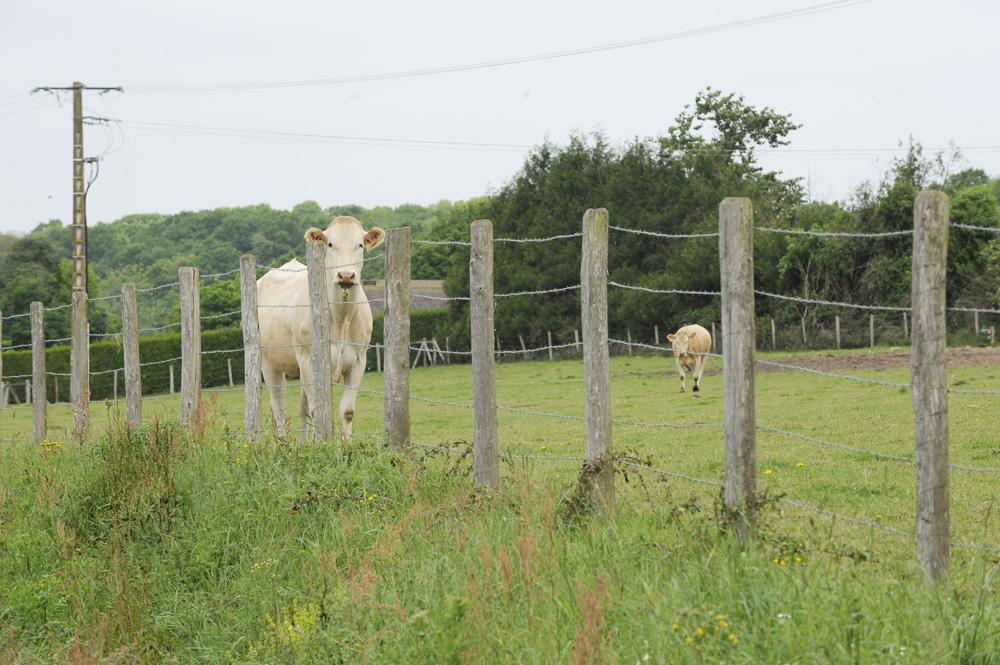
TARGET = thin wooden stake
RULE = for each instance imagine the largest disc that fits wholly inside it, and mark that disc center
(319, 353)
(38, 371)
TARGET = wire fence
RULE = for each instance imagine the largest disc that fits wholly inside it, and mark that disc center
(628, 344)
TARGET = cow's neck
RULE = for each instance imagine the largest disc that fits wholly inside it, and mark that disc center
(343, 306)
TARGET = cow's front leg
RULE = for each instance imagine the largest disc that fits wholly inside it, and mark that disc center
(680, 370)
(353, 374)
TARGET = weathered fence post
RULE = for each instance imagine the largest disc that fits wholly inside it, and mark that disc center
(713, 336)
(190, 279)
(319, 353)
(596, 361)
(774, 336)
(3, 388)
(837, 317)
(906, 332)
(551, 357)
(656, 334)
(975, 323)
(130, 348)
(38, 370)
(738, 353)
(929, 380)
(252, 401)
(485, 447)
(171, 366)
(871, 331)
(79, 385)
(396, 336)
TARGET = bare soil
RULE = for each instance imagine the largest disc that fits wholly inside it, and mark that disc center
(966, 356)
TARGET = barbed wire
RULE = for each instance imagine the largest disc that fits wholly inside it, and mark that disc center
(441, 242)
(563, 237)
(169, 325)
(157, 288)
(668, 291)
(832, 304)
(305, 268)
(57, 307)
(15, 316)
(534, 293)
(219, 316)
(665, 235)
(836, 376)
(117, 296)
(991, 229)
(220, 274)
(514, 352)
(205, 353)
(159, 362)
(426, 297)
(908, 232)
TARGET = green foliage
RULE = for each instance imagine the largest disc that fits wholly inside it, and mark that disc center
(227, 343)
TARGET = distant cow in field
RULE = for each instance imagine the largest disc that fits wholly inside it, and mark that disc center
(284, 315)
(691, 345)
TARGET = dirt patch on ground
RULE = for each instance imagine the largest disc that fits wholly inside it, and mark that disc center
(965, 356)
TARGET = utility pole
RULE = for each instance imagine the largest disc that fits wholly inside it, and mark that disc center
(79, 189)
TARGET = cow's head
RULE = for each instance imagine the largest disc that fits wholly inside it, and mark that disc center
(346, 242)
(681, 341)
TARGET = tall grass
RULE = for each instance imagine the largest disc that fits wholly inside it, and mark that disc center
(153, 545)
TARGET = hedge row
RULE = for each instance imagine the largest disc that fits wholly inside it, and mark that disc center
(158, 353)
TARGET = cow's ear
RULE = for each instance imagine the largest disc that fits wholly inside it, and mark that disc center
(315, 234)
(671, 337)
(374, 238)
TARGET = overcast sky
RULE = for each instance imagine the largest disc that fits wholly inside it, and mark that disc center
(235, 103)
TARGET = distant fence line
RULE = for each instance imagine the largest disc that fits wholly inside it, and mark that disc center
(738, 331)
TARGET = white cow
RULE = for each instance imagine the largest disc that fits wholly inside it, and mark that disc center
(691, 346)
(284, 315)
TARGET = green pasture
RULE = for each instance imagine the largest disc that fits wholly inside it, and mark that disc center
(154, 545)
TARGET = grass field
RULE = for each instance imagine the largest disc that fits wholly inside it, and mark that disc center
(157, 546)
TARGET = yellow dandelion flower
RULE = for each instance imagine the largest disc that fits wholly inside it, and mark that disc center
(700, 632)
(767, 472)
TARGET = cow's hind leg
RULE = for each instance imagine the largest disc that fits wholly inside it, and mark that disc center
(699, 367)
(275, 381)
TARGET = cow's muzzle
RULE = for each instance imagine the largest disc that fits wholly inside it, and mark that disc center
(347, 278)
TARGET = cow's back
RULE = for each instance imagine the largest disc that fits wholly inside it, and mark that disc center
(701, 339)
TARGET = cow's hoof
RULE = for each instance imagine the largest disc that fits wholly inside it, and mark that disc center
(696, 389)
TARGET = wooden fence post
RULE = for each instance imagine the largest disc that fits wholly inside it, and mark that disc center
(975, 323)
(906, 332)
(656, 334)
(596, 361)
(396, 378)
(190, 279)
(713, 336)
(738, 335)
(252, 400)
(871, 331)
(551, 357)
(837, 317)
(319, 354)
(485, 447)
(79, 385)
(38, 371)
(130, 348)
(171, 366)
(774, 336)
(929, 380)
(628, 339)
(3, 387)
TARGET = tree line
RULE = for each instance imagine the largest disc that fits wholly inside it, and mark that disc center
(671, 184)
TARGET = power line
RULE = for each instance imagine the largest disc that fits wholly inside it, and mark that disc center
(733, 25)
